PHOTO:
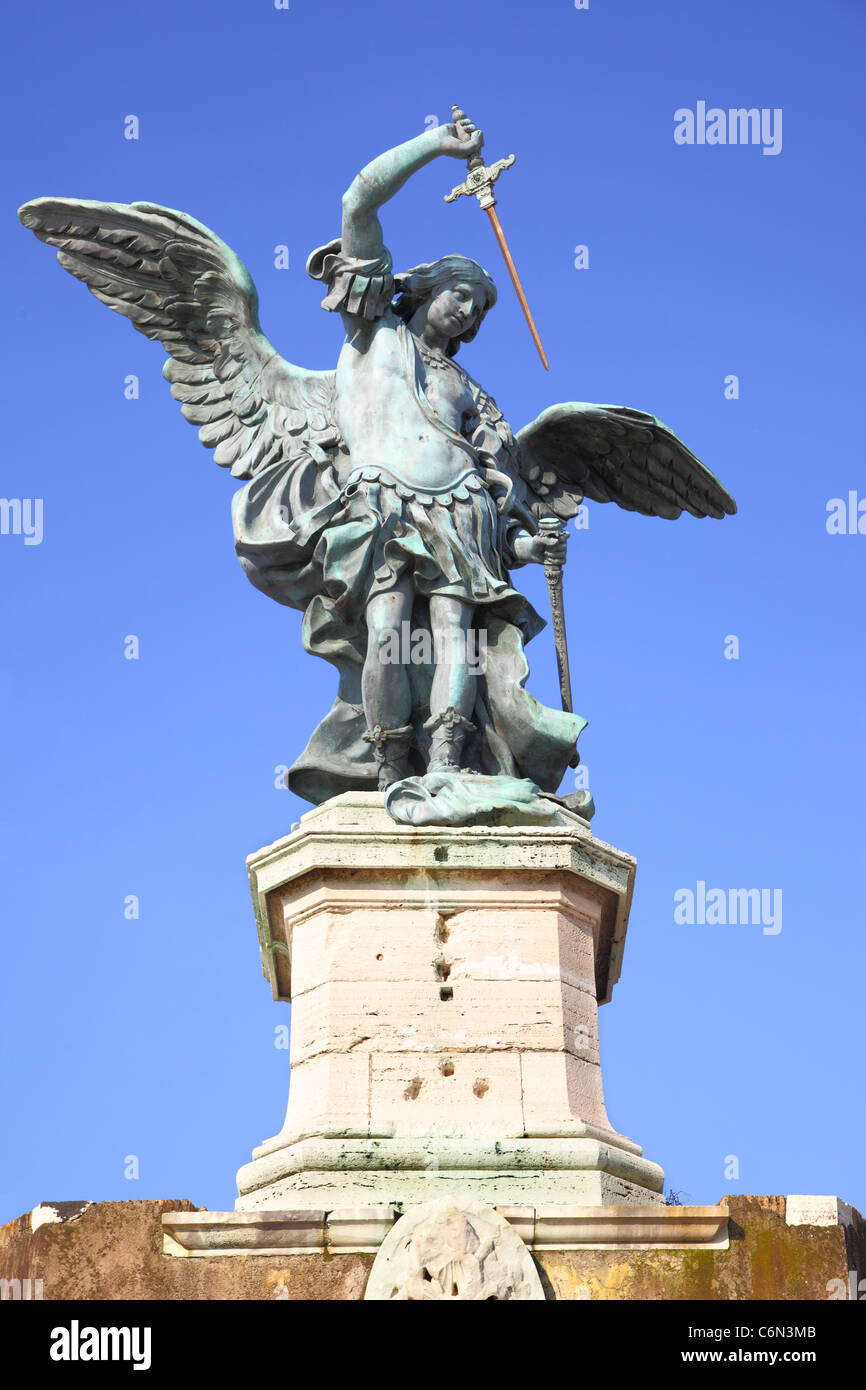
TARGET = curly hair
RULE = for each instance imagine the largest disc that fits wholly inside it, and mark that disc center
(414, 287)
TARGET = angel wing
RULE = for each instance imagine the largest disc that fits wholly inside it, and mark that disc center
(610, 453)
(178, 282)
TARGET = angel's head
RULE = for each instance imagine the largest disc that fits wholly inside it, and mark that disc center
(454, 291)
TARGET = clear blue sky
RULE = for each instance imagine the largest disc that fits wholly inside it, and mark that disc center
(155, 777)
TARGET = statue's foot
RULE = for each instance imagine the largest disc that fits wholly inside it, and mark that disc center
(391, 751)
(448, 732)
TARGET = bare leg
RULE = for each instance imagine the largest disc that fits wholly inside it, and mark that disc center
(453, 684)
(385, 688)
(452, 695)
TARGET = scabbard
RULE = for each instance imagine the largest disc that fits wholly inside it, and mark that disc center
(553, 575)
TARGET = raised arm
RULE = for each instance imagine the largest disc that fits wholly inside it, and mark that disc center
(383, 177)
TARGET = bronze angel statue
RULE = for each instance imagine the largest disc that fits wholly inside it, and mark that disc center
(388, 496)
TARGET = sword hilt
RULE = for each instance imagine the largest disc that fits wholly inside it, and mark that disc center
(480, 180)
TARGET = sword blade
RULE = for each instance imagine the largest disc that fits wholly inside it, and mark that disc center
(515, 280)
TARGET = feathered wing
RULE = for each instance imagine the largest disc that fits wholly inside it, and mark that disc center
(610, 453)
(175, 280)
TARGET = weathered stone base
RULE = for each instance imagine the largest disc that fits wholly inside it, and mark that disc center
(445, 985)
(777, 1249)
(399, 1172)
(359, 1230)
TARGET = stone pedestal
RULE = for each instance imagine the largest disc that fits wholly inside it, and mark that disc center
(444, 987)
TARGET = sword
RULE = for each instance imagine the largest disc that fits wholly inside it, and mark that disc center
(480, 182)
(553, 526)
